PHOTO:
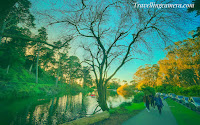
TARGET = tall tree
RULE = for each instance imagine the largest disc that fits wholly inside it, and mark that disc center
(73, 69)
(17, 12)
(43, 37)
(87, 78)
(13, 50)
(147, 75)
(112, 30)
(62, 58)
(181, 65)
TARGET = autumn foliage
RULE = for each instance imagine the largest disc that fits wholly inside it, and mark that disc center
(180, 67)
(126, 90)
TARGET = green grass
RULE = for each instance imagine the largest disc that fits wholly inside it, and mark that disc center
(183, 115)
(135, 106)
(122, 113)
(127, 108)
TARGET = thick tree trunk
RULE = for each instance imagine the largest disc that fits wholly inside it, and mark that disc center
(102, 97)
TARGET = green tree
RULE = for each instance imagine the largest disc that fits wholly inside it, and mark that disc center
(147, 75)
(87, 78)
(17, 12)
(181, 65)
(113, 84)
(62, 59)
(13, 50)
(42, 35)
(71, 69)
(148, 90)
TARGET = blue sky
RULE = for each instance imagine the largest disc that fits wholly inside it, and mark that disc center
(127, 71)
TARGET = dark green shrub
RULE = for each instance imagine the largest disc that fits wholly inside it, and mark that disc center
(193, 90)
(125, 104)
(148, 90)
(4, 76)
(138, 97)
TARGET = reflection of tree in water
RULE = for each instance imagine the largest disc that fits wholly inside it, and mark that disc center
(50, 111)
(56, 110)
(39, 113)
(83, 105)
(114, 101)
(65, 109)
(20, 117)
(20, 111)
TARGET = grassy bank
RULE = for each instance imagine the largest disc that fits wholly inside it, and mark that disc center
(20, 83)
(183, 115)
(23, 89)
(122, 113)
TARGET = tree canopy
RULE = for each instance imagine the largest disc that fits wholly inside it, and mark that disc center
(180, 67)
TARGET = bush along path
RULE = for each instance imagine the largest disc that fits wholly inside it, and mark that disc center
(153, 117)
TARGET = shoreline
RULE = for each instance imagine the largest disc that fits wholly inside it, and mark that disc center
(20, 90)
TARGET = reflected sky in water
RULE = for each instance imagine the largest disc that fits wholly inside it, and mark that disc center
(54, 110)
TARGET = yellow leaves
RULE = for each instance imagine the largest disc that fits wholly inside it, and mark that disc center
(178, 43)
(147, 75)
(191, 32)
(139, 86)
(181, 57)
(122, 90)
(159, 81)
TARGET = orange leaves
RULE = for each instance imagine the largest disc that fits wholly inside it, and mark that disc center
(125, 90)
(181, 56)
(147, 75)
(181, 66)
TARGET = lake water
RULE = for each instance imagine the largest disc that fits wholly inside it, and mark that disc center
(54, 110)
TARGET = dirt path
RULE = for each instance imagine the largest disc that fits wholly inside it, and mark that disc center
(153, 117)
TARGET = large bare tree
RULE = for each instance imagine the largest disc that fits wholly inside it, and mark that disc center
(113, 31)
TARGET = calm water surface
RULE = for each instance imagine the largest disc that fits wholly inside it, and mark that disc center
(55, 110)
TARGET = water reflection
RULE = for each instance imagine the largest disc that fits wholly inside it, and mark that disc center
(55, 110)
(59, 110)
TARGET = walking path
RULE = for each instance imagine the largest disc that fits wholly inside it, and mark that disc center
(153, 117)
